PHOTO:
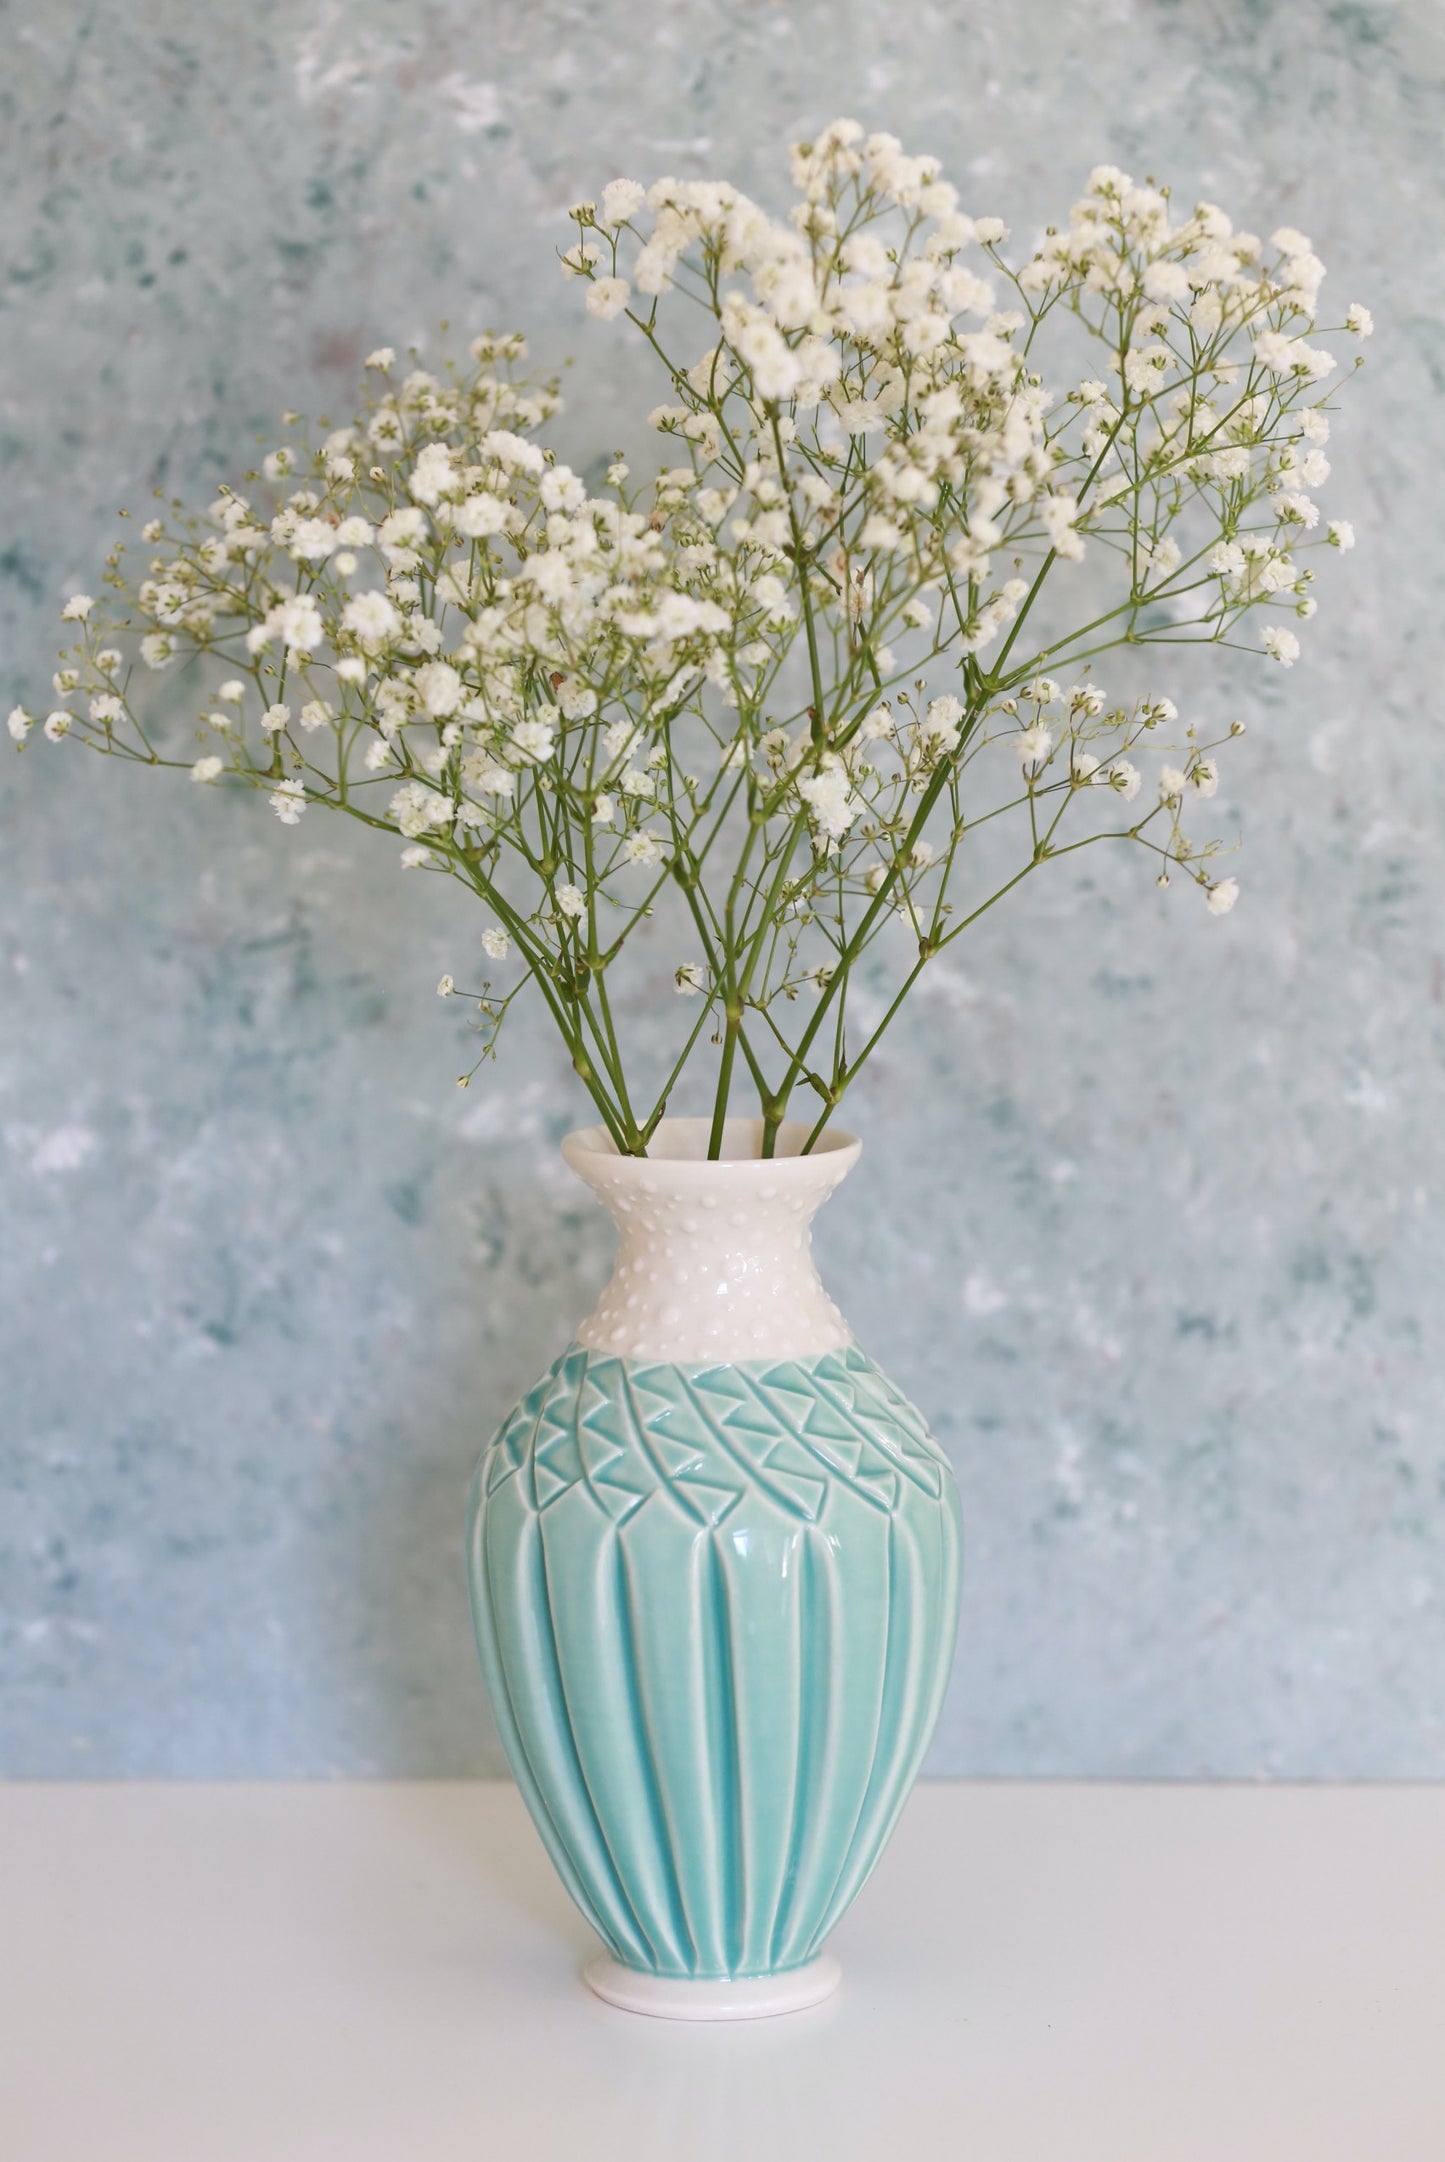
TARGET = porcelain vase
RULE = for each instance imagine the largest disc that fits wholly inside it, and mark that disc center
(714, 1568)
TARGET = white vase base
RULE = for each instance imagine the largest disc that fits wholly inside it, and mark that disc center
(758, 1996)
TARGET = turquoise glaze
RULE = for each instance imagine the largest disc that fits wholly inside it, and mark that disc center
(715, 1606)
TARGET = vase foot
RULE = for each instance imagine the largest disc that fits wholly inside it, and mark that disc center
(757, 1996)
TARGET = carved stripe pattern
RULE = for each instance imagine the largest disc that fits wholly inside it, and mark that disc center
(715, 1607)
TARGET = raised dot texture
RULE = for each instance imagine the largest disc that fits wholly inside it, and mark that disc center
(712, 1273)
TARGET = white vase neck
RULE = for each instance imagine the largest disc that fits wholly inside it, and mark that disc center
(715, 1259)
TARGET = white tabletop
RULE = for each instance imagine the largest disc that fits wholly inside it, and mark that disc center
(1035, 1974)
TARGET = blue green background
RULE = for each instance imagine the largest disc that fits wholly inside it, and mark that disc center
(1149, 1216)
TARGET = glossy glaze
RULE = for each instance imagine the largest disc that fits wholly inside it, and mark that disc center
(715, 1603)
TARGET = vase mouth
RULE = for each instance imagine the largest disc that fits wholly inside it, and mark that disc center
(684, 1141)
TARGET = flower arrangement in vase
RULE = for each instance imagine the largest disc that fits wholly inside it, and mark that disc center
(818, 686)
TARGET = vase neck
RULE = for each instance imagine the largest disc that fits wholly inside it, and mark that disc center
(715, 1258)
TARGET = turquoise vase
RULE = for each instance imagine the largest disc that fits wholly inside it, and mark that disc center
(714, 1564)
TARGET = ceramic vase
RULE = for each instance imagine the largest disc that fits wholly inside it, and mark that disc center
(714, 1568)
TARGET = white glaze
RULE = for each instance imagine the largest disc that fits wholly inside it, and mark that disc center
(664, 1996)
(716, 1259)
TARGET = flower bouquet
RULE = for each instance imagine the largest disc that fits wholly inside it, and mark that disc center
(814, 685)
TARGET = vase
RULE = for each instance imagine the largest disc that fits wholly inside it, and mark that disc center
(714, 1570)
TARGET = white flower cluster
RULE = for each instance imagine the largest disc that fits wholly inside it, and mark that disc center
(766, 696)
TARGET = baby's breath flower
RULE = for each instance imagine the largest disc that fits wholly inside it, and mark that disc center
(445, 987)
(418, 809)
(77, 608)
(297, 623)
(782, 645)
(832, 803)
(480, 516)
(534, 740)
(439, 688)
(1058, 513)
(607, 297)
(312, 540)
(621, 200)
(371, 619)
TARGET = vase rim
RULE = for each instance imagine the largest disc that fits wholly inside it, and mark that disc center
(684, 1142)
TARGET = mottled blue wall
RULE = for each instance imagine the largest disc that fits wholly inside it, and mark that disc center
(1150, 1215)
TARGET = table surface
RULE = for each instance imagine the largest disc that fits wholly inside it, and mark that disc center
(388, 1973)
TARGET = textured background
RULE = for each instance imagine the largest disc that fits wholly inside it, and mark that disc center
(1150, 1216)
